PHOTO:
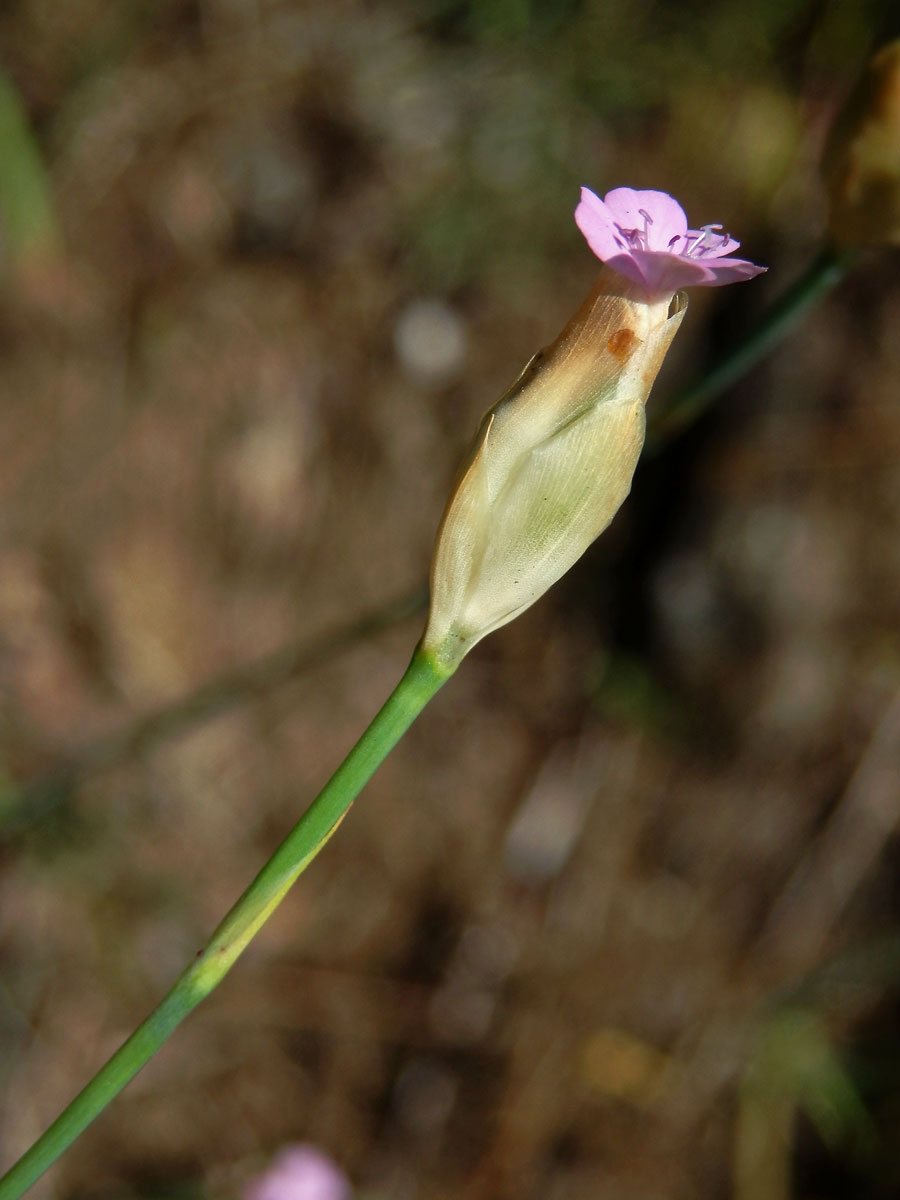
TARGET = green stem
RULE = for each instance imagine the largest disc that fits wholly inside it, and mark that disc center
(421, 681)
(822, 274)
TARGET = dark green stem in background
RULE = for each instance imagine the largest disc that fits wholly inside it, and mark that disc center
(34, 799)
(421, 681)
(823, 273)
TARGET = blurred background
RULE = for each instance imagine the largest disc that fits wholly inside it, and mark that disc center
(618, 919)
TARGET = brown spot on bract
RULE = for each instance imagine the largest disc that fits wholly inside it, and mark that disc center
(622, 344)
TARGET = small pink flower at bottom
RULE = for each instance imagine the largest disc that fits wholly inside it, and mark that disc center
(299, 1173)
(644, 236)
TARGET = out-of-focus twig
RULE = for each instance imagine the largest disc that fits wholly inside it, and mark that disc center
(830, 872)
(219, 695)
(824, 272)
(782, 974)
(794, 1063)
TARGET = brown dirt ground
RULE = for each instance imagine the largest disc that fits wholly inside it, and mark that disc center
(615, 920)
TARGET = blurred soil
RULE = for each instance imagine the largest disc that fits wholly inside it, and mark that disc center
(618, 918)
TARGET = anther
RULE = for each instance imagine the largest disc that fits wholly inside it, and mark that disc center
(648, 221)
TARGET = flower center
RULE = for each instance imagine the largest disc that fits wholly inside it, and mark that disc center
(708, 240)
(636, 239)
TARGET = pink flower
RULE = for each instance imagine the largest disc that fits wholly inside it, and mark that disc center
(644, 236)
(299, 1173)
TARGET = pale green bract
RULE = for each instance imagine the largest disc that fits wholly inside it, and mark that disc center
(551, 465)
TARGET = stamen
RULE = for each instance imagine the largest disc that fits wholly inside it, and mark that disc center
(648, 221)
(710, 239)
(632, 237)
(692, 243)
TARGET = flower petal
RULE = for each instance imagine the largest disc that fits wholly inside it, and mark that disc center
(299, 1172)
(595, 221)
(730, 270)
(667, 273)
(644, 236)
(667, 218)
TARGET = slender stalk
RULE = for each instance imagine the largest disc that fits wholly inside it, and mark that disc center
(421, 681)
(823, 273)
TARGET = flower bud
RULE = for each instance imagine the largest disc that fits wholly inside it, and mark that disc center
(550, 466)
(862, 158)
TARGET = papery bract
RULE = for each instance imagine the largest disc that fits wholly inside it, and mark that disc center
(550, 467)
(644, 235)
